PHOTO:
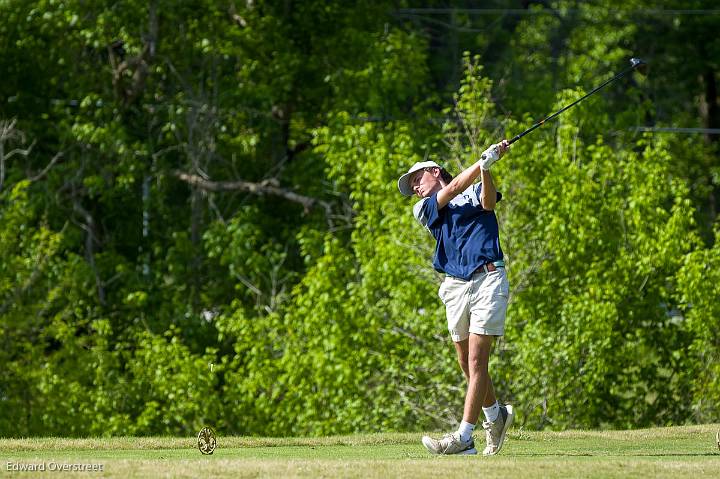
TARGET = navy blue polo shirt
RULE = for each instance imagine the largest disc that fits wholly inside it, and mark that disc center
(467, 235)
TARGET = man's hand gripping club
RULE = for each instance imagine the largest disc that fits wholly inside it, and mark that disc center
(493, 154)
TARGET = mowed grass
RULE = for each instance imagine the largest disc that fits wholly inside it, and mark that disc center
(689, 451)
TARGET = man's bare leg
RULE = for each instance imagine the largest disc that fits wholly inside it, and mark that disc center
(462, 348)
(480, 391)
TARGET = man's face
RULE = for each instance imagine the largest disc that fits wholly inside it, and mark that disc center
(425, 182)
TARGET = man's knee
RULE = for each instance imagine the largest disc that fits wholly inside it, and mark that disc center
(478, 358)
(477, 363)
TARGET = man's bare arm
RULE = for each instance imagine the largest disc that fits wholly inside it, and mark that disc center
(467, 177)
(488, 194)
(459, 184)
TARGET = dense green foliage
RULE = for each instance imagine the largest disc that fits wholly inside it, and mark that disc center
(199, 221)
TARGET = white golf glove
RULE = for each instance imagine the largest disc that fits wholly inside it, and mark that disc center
(489, 156)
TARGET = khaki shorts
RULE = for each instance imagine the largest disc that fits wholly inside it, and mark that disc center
(476, 306)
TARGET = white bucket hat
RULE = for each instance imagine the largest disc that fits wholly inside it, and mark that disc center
(404, 181)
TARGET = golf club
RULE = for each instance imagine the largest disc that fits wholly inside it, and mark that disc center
(635, 63)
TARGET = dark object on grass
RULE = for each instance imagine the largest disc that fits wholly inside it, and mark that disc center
(206, 440)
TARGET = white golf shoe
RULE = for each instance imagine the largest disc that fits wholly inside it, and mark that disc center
(449, 444)
(495, 431)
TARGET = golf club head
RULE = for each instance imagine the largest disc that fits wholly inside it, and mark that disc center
(639, 65)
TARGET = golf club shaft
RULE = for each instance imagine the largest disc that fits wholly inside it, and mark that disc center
(619, 75)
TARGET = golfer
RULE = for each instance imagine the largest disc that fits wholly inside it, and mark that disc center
(459, 214)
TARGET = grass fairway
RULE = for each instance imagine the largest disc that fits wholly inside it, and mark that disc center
(689, 451)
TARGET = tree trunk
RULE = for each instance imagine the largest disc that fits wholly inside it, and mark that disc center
(709, 108)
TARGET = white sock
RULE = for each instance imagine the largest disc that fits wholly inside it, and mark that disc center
(491, 413)
(465, 430)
